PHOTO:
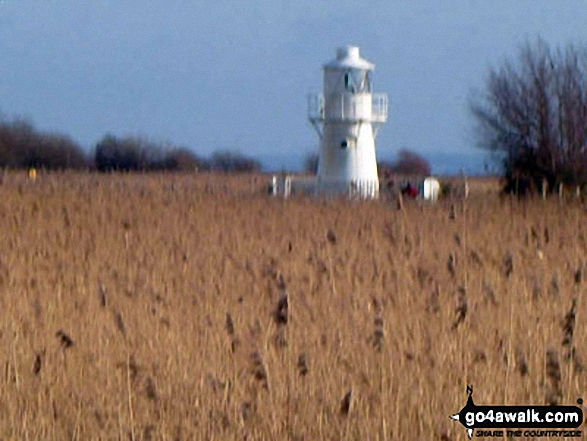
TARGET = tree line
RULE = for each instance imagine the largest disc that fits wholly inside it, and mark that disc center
(23, 146)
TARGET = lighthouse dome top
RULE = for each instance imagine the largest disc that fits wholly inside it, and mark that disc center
(348, 57)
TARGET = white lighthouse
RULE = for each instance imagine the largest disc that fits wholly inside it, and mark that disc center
(347, 117)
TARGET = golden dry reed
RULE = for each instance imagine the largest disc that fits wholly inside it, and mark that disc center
(197, 307)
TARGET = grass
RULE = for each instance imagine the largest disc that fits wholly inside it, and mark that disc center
(196, 307)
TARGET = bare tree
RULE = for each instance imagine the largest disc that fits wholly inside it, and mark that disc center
(533, 114)
(183, 159)
(407, 163)
(135, 153)
(229, 161)
(23, 146)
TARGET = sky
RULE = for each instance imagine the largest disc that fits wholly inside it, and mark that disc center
(234, 74)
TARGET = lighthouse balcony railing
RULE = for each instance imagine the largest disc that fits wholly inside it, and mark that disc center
(345, 107)
(379, 107)
(316, 107)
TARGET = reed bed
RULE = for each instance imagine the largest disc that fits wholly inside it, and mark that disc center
(180, 307)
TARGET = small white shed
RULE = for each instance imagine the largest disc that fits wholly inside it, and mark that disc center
(430, 189)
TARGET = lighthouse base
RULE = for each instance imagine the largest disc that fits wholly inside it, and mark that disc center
(360, 188)
(311, 186)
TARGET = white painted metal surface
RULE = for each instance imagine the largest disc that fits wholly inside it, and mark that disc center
(347, 116)
(430, 189)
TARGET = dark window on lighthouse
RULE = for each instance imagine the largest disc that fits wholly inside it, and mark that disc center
(344, 144)
(349, 83)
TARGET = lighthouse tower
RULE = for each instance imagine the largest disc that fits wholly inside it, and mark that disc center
(347, 117)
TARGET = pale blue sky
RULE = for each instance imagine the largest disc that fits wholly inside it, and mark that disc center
(234, 74)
